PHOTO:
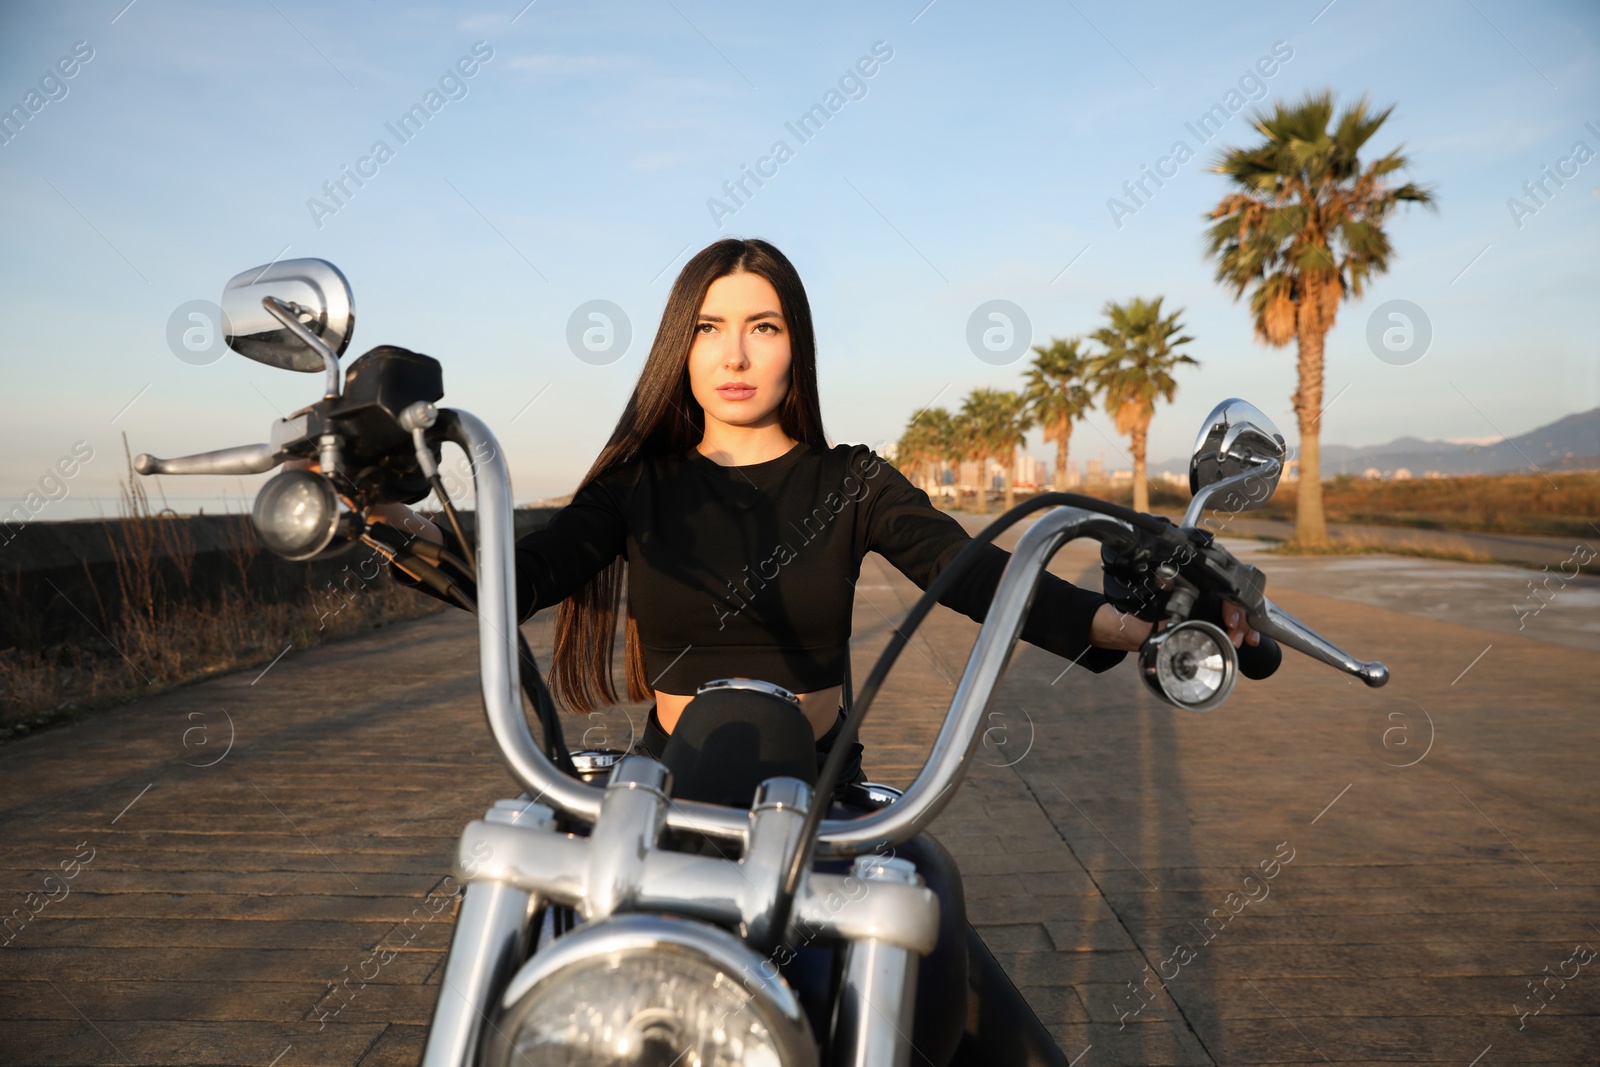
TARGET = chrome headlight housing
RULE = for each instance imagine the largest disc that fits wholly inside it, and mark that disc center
(649, 990)
(1192, 665)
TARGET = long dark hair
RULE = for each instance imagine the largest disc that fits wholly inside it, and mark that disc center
(662, 417)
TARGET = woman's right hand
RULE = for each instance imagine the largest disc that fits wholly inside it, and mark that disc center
(399, 516)
(403, 518)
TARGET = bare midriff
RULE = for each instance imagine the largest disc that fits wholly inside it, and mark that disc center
(821, 708)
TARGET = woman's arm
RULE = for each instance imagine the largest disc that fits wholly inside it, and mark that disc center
(920, 540)
(551, 563)
(901, 523)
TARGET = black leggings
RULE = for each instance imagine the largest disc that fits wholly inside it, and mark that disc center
(654, 743)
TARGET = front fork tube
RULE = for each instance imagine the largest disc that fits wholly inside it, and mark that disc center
(490, 943)
(877, 1000)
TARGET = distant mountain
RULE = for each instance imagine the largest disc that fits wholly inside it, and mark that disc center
(1571, 443)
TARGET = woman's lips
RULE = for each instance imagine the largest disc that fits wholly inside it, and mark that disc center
(736, 392)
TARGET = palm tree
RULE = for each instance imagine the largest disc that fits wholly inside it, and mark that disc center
(1304, 230)
(953, 444)
(1058, 394)
(1012, 421)
(994, 422)
(969, 442)
(925, 443)
(1136, 371)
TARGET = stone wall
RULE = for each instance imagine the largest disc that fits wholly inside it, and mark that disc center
(63, 582)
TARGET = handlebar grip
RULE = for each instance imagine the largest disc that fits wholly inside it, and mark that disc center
(1260, 661)
(242, 459)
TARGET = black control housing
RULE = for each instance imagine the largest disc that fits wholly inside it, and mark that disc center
(380, 464)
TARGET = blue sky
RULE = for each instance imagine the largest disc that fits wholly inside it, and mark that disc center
(576, 163)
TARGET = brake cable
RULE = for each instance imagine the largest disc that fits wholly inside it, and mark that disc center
(455, 524)
(822, 796)
(532, 681)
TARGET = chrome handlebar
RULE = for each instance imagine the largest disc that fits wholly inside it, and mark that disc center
(958, 738)
(952, 751)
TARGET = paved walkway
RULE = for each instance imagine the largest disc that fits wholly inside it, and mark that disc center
(1430, 846)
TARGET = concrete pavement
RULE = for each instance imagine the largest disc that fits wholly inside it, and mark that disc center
(239, 848)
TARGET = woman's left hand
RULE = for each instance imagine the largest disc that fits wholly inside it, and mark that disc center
(1112, 629)
(1239, 631)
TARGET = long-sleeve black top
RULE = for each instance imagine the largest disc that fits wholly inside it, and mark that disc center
(751, 570)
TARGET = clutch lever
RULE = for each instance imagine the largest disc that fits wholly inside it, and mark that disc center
(241, 459)
(290, 437)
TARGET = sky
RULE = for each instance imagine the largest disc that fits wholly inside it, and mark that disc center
(987, 156)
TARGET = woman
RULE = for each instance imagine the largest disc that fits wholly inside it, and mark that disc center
(744, 530)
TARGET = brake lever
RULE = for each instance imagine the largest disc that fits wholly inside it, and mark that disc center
(1272, 621)
(1217, 569)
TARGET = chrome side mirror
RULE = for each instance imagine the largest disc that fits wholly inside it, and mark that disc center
(1237, 460)
(286, 313)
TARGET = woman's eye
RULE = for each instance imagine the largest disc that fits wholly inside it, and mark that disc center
(703, 327)
(768, 326)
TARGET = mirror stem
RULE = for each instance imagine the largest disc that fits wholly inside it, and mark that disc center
(330, 362)
(1265, 474)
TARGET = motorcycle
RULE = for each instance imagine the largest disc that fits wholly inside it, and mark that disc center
(618, 912)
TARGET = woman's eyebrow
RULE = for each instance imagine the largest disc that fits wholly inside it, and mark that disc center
(748, 318)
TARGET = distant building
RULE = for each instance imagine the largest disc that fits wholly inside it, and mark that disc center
(1372, 474)
(1402, 475)
(1121, 477)
(1028, 471)
(1096, 471)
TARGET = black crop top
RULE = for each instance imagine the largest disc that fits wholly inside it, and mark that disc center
(751, 570)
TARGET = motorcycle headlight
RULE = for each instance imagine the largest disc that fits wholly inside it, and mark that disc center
(649, 991)
(1192, 665)
(296, 514)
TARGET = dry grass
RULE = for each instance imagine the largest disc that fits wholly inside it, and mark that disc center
(165, 636)
(1560, 505)
(1164, 499)
(1363, 548)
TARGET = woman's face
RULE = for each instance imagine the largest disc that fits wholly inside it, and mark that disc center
(739, 362)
